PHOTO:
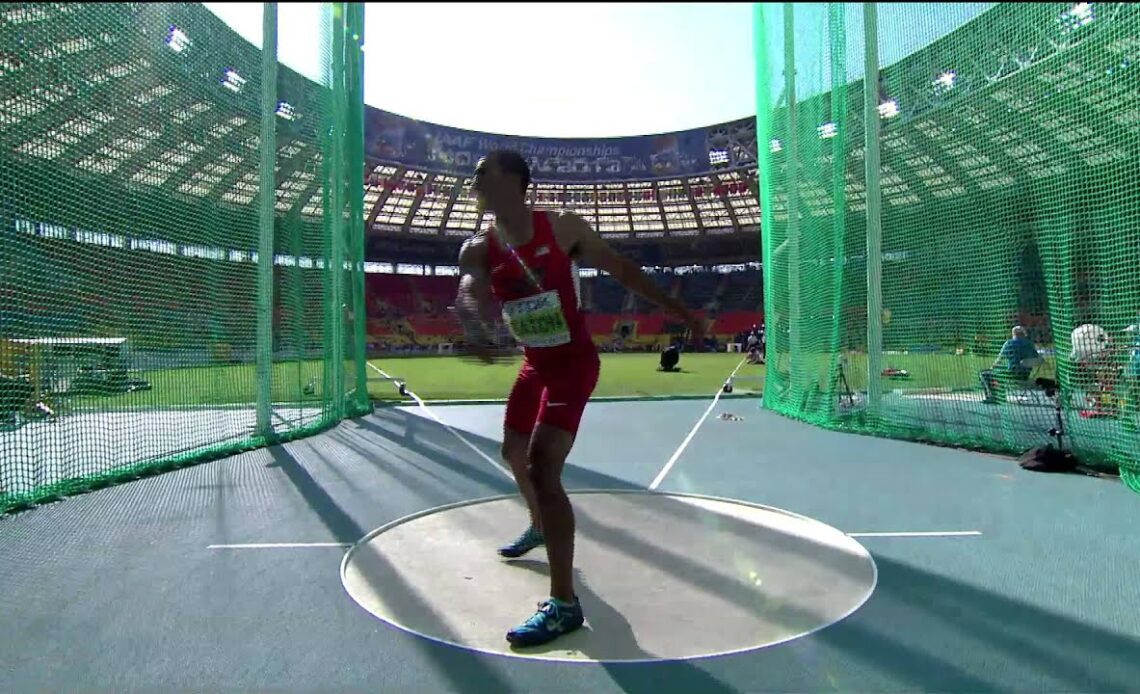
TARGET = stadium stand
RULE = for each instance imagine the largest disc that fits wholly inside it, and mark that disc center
(408, 310)
(695, 234)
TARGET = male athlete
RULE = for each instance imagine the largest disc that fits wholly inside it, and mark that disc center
(526, 261)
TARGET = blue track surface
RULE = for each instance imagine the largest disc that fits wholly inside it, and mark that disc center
(117, 589)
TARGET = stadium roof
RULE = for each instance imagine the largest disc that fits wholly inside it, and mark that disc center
(164, 98)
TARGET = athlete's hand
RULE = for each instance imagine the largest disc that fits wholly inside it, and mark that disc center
(477, 336)
(484, 352)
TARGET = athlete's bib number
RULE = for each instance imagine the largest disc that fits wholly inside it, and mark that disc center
(537, 321)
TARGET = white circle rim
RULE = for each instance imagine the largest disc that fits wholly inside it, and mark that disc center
(561, 659)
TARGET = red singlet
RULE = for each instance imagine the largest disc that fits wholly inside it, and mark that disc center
(540, 303)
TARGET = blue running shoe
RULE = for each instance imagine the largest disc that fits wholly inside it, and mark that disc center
(530, 539)
(553, 619)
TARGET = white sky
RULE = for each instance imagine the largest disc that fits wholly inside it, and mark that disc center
(568, 70)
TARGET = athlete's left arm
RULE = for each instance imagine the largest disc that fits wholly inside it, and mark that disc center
(582, 243)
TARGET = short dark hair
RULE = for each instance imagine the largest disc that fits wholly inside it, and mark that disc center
(511, 161)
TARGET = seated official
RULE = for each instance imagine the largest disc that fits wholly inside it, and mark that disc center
(755, 351)
(1014, 364)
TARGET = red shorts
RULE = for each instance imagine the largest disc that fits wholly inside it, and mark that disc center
(553, 395)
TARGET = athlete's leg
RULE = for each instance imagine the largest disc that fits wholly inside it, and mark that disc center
(549, 447)
(563, 402)
(518, 425)
(515, 444)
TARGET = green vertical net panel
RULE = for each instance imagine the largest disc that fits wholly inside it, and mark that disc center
(143, 325)
(1005, 194)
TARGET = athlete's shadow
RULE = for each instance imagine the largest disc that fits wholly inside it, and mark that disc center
(605, 625)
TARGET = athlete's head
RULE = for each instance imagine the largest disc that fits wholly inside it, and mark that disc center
(501, 178)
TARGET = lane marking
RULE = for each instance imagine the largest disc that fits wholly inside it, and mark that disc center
(283, 545)
(947, 533)
(423, 405)
(693, 432)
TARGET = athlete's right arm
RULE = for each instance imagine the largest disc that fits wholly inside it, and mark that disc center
(474, 294)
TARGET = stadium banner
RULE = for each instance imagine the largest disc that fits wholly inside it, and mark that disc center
(394, 139)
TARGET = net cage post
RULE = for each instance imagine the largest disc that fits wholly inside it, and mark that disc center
(795, 357)
(333, 218)
(354, 77)
(837, 38)
(267, 199)
(339, 201)
(763, 160)
(330, 365)
(874, 205)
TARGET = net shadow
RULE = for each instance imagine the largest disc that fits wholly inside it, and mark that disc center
(459, 667)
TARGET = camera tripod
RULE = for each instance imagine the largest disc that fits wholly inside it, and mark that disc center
(841, 385)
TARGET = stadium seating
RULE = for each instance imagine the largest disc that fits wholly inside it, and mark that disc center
(607, 295)
(404, 311)
(699, 288)
(742, 291)
(411, 311)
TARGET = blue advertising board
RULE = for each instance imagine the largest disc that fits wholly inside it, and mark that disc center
(395, 139)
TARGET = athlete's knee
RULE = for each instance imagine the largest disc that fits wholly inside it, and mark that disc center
(546, 485)
(538, 469)
(514, 452)
(546, 457)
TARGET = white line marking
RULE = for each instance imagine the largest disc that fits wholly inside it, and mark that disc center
(693, 432)
(948, 533)
(445, 425)
(282, 545)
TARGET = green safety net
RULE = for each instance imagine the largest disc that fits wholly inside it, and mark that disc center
(158, 305)
(1005, 195)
